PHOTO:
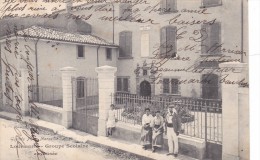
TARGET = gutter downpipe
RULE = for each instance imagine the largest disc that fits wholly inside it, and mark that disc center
(242, 31)
(98, 55)
(37, 70)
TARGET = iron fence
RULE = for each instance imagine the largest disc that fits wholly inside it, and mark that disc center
(200, 118)
(46, 94)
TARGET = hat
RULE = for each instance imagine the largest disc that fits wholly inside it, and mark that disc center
(171, 106)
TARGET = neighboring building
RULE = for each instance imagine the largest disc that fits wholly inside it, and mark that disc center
(44, 51)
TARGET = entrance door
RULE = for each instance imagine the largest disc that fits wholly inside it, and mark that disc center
(145, 89)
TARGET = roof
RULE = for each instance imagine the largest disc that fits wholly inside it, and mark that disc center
(60, 35)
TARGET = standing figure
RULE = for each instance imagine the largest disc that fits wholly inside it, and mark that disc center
(111, 120)
(146, 133)
(157, 138)
(173, 125)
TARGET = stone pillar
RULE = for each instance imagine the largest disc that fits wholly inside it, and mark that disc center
(24, 92)
(106, 84)
(230, 110)
(67, 73)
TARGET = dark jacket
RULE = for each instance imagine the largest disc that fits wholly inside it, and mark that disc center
(176, 123)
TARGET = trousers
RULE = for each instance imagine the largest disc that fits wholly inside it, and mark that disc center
(172, 140)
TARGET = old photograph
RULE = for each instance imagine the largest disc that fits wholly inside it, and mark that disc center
(124, 80)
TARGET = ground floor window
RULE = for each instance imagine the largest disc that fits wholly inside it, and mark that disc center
(123, 84)
(171, 86)
(210, 90)
(80, 88)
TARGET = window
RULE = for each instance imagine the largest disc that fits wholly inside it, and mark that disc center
(168, 42)
(122, 84)
(108, 53)
(80, 88)
(145, 72)
(168, 6)
(171, 86)
(210, 3)
(212, 38)
(80, 51)
(125, 11)
(125, 44)
(210, 89)
(145, 44)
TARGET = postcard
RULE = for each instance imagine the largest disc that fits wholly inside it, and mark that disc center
(124, 79)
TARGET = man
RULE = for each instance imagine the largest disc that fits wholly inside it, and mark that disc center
(173, 127)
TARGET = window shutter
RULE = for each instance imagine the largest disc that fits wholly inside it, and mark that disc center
(171, 5)
(125, 84)
(174, 86)
(119, 84)
(122, 44)
(125, 10)
(163, 5)
(205, 43)
(215, 36)
(171, 41)
(166, 85)
(211, 2)
(128, 44)
(163, 42)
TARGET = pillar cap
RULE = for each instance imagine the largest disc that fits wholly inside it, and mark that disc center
(68, 69)
(105, 69)
(233, 64)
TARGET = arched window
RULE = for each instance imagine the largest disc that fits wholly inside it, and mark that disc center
(168, 42)
(125, 44)
(210, 90)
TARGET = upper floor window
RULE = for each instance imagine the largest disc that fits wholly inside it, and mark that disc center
(80, 49)
(125, 11)
(168, 42)
(123, 84)
(210, 44)
(125, 44)
(211, 3)
(171, 86)
(168, 6)
(109, 54)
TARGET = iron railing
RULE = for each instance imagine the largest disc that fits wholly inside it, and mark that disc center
(46, 95)
(201, 118)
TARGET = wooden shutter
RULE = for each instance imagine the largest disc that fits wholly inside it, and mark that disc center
(125, 10)
(210, 90)
(166, 85)
(215, 37)
(171, 41)
(122, 44)
(128, 45)
(125, 84)
(205, 43)
(119, 84)
(163, 42)
(211, 2)
(163, 5)
(175, 86)
(171, 5)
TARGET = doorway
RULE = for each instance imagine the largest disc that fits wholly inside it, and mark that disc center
(145, 89)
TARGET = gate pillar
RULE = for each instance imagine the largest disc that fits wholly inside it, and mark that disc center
(232, 111)
(106, 87)
(67, 73)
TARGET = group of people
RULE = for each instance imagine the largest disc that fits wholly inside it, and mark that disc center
(154, 127)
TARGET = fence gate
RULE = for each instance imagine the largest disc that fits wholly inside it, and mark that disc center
(85, 104)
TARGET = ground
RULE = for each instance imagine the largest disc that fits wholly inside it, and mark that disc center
(57, 146)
